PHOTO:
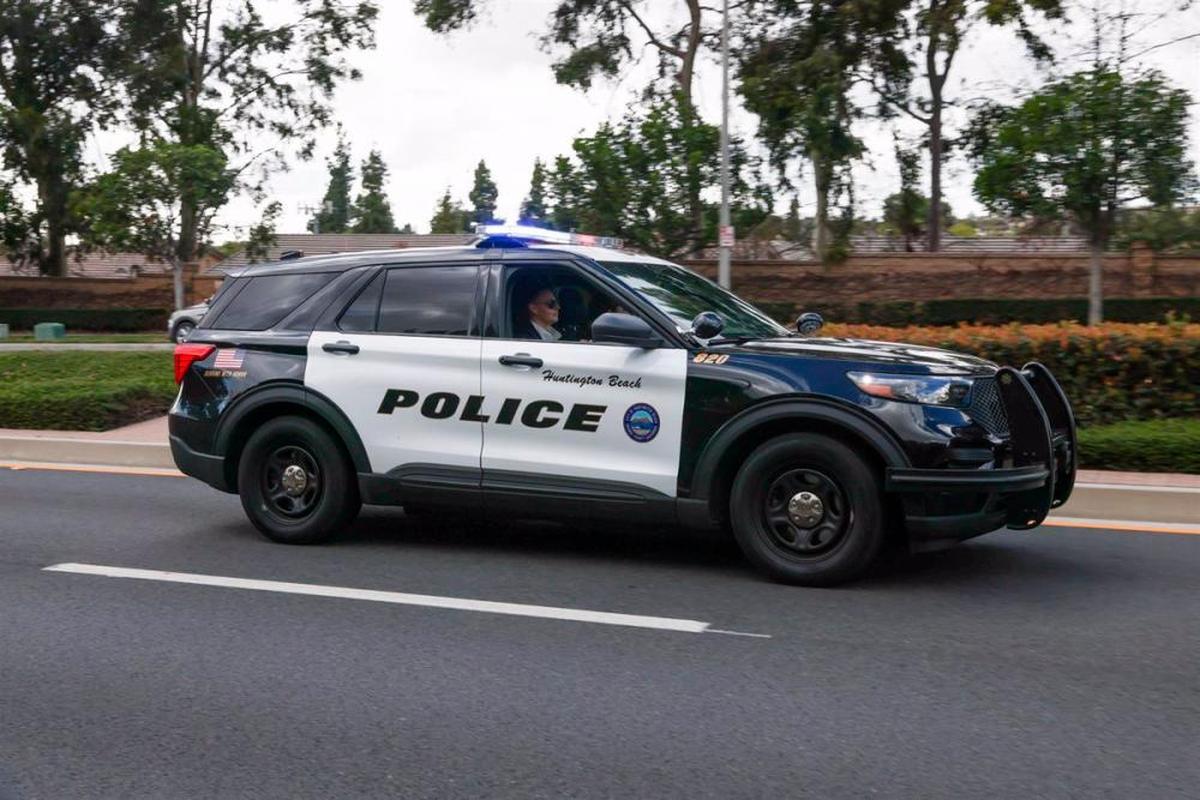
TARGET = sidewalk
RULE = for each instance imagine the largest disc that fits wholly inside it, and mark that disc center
(1151, 497)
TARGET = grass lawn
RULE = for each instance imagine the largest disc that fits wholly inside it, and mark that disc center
(1164, 445)
(92, 338)
(83, 391)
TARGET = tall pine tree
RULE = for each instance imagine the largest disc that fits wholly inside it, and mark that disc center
(533, 207)
(334, 216)
(483, 195)
(372, 211)
(449, 216)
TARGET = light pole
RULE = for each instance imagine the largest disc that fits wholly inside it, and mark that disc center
(725, 229)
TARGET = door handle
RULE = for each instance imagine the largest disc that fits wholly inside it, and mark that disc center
(520, 360)
(340, 347)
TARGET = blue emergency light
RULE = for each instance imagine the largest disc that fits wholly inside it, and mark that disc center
(510, 235)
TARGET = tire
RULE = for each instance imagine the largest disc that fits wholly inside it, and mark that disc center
(807, 543)
(285, 507)
(182, 331)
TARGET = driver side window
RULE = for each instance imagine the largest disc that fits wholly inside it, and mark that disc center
(550, 303)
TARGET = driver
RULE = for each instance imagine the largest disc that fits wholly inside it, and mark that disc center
(542, 315)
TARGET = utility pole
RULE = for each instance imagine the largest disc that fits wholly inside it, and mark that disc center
(725, 229)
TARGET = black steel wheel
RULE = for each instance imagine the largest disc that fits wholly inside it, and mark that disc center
(808, 509)
(296, 483)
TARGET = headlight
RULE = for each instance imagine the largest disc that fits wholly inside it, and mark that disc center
(932, 390)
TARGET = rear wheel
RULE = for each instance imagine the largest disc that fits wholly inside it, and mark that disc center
(182, 331)
(808, 509)
(296, 485)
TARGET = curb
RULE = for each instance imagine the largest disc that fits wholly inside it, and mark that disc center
(66, 450)
(1101, 501)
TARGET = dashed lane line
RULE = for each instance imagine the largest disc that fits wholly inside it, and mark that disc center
(399, 598)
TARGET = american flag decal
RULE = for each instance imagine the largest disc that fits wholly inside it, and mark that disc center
(229, 359)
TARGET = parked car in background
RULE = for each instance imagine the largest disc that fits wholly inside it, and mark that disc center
(182, 322)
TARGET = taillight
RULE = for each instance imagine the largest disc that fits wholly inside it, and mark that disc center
(187, 354)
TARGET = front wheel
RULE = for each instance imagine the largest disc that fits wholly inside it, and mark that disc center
(296, 485)
(807, 509)
(182, 331)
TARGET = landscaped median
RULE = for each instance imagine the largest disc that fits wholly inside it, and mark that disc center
(83, 390)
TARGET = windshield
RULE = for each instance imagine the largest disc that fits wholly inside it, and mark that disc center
(682, 294)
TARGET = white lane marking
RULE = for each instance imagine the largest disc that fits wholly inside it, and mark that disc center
(1131, 487)
(401, 598)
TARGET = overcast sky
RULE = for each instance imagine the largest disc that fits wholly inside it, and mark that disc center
(434, 105)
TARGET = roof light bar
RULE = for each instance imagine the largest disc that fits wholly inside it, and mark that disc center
(532, 233)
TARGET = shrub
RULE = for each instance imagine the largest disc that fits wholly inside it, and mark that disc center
(1165, 445)
(75, 390)
(116, 320)
(1110, 373)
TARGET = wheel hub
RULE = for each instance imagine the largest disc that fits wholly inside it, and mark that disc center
(294, 480)
(805, 509)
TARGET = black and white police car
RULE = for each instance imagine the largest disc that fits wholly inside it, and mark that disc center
(539, 379)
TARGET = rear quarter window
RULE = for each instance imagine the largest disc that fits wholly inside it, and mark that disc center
(267, 299)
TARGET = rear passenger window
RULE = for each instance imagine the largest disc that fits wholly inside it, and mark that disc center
(359, 316)
(434, 301)
(267, 299)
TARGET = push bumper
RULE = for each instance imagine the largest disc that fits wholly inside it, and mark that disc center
(943, 506)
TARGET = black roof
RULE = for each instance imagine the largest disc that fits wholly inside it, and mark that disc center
(340, 262)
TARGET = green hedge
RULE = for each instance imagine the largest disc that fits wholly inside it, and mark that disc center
(114, 320)
(90, 391)
(1165, 445)
(1111, 373)
(987, 311)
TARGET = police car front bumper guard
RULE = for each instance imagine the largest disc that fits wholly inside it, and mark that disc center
(1039, 473)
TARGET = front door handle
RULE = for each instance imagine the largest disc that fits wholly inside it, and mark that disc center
(521, 360)
(340, 347)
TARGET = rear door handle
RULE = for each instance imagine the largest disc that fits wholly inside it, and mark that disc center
(520, 360)
(340, 347)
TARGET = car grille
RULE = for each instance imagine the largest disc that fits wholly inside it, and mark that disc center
(987, 408)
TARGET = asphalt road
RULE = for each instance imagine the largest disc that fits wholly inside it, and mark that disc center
(1055, 664)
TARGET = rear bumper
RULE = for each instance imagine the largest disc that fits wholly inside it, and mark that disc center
(206, 467)
(942, 506)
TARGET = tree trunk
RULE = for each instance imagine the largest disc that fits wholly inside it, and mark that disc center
(821, 181)
(933, 233)
(1096, 285)
(52, 197)
(686, 71)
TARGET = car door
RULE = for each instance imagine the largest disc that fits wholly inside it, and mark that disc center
(576, 416)
(402, 362)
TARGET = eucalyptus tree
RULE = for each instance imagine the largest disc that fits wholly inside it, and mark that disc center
(55, 60)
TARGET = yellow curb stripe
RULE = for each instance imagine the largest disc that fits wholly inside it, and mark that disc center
(1124, 526)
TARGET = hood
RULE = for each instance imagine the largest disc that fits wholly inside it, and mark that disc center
(931, 359)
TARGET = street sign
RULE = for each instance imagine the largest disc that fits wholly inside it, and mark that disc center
(725, 236)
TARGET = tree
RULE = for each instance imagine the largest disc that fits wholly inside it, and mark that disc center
(138, 205)
(407, 229)
(450, 216)
(598, 38)
(907, 211)
(942, 26)
(54, 57)
(533, 207)
(631, 179)
(797, 68)
(1082, 148)
(262, 235)
(483, 195)
(334, 215)
(372, 210)
(221, 74)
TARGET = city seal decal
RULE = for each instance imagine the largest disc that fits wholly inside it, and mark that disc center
(641, 422)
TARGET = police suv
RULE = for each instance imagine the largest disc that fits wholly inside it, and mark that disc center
(539, 379)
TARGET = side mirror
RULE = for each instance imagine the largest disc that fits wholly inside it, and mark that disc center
(809, 323)
(707, 324)
(626, 329)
